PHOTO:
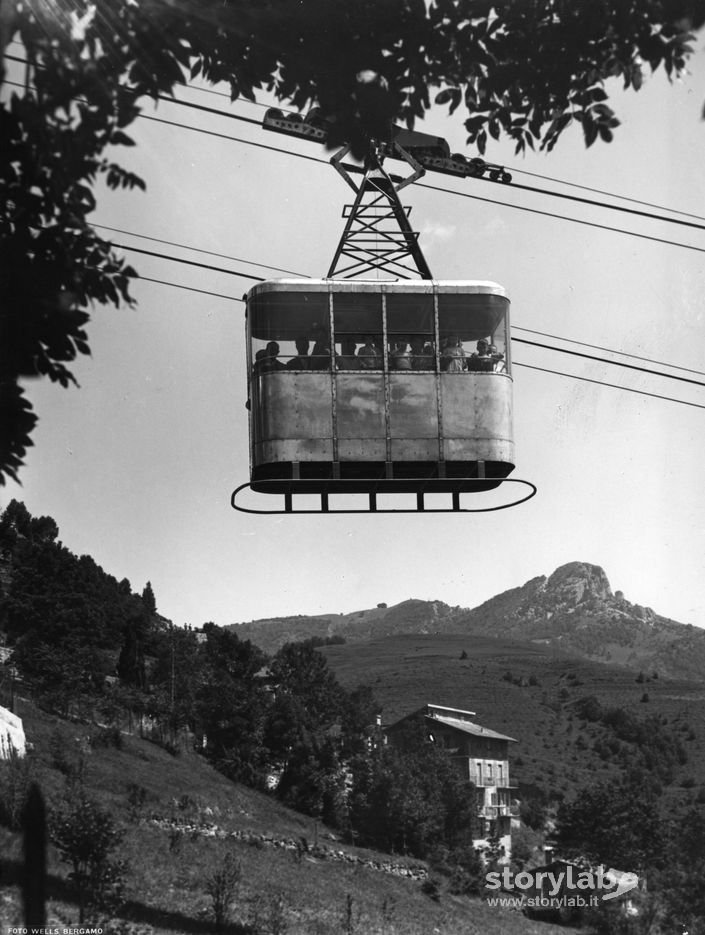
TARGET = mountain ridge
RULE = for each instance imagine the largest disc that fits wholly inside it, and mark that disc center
(573, 610)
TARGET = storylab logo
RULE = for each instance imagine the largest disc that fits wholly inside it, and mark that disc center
(560, 885)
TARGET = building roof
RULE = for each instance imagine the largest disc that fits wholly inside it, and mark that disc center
(455, 718)
(435, 709)
(468, 727)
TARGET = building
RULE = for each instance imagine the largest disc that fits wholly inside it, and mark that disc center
(482, 756)
(12, 739)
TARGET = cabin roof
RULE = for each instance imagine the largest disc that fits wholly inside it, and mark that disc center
(464, 286)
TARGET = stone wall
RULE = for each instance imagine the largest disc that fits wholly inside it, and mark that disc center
(301, 847)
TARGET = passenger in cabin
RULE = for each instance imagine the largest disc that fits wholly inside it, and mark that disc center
(498, 363)
(399, 357)
(421, 354)
(259, 357)
(269, 363)
(302, 361)
(370, 355)
(347, 359)
(481, 359)
(266, 359)
(453, 356)
(320, 356)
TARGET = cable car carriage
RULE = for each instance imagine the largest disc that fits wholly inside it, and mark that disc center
(361, 386)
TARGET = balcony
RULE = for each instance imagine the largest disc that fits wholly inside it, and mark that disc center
(491, 782)
(499, 811)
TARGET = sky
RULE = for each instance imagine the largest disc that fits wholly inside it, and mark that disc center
(137, 465)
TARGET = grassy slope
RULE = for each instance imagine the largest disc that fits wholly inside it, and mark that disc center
(409, 671)
(166, 889)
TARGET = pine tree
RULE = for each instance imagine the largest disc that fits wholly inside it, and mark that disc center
(148, 599)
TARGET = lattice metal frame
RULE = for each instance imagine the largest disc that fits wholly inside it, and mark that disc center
(378, 236)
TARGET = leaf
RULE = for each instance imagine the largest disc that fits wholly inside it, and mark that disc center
(118, 138)
(589, 130)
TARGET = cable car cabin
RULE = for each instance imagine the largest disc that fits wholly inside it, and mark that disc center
(366, 387)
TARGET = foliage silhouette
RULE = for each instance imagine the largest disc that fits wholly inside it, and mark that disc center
(526, 71)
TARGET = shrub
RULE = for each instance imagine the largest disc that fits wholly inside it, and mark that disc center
(349, 916)
(69, 758)
(221, 886)
(15, 779)
(268, 916)
(109, 736)
(431, 888)
(136, 796)
(176, 839)
(389, 905)
(58, 750)
(85, 836)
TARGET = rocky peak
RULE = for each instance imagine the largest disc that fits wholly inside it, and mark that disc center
(577, 583)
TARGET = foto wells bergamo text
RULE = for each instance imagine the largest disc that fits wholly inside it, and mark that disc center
(55, 930)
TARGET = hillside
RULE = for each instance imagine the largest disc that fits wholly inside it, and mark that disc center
(412, 616)
(573, 611)
(538, 695)
(180, 818)
(539, 663)
(534, 656)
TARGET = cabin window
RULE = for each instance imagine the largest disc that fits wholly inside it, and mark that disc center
(286, 328)
(292, 330)
(411, 343)
(358, 336)
(473, 332)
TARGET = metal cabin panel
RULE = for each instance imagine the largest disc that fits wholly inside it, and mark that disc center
(293, 418)
(413, 412)
(302, 450)
(477, 417)
(414, 449)
(478, 449)
(364, 450)
(413, 417)
(361, 430)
